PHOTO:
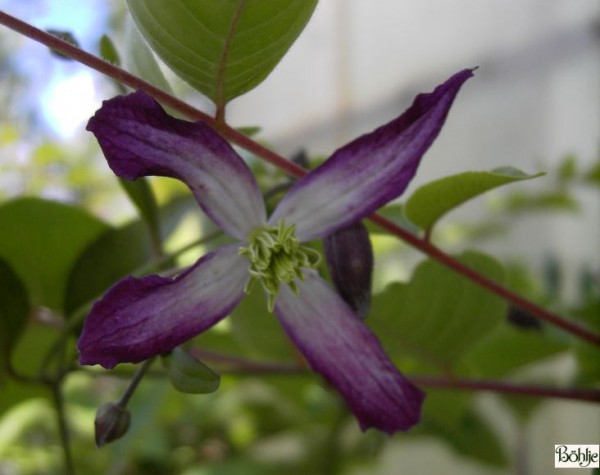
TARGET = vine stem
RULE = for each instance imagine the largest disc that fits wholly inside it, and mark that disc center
(63, 428)
(137, 378)
(290, 168)
(240, 366)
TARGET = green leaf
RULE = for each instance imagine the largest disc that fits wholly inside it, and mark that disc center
(115, 254)
(433, 200)
(453, 418)
(567, 169)
(108, 51)
(141, 195)
(14, 306)
(592, 176)
(439, 314)
(588, 355)
(258, 330)
(140, 61)
(189, 375)
(553, 200)
(396, 214)
(509, 348)
(224, 48)
(41, 240)
(27, 357)
(67, 36)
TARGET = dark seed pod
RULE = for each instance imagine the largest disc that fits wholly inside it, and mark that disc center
(521, 319)
(349, 257)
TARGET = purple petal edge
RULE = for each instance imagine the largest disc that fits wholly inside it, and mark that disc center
(369, 171)
(140, 318)
(139, 138)
(344, 351)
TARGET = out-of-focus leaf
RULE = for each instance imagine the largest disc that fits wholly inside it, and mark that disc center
(433, 200)
(27, 357)
(142, 197)
(593, 174)
(139, 59)
(588, 355)
(451, 417)
(258, 330)
(508, 348)
(249, 131)
(14, 307)
(521, 202)
(115, 254)
(524, 407)
(65, 36)
(438, 315)
(226, 48)
(41, 240)
(190, 375)
(396, 214)
(567, 169)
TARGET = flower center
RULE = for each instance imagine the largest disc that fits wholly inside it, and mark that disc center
(276, 257)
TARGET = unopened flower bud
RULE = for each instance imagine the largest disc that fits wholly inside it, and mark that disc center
(349, 259)
(112, 423)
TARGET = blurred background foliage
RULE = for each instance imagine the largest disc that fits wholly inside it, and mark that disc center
(70, 230)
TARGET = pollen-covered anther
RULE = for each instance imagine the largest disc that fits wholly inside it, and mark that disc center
(277, 257)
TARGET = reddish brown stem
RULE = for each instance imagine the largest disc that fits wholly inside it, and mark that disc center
(288, 167)
(502, 387)
(241, 366)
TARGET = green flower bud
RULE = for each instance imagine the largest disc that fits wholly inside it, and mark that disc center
(112, 423)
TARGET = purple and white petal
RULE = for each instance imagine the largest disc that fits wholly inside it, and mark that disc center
(342, 349)
(369, 171)
(140, 318)
(139, 138)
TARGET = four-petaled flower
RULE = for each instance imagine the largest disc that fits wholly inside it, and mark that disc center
(139, 318)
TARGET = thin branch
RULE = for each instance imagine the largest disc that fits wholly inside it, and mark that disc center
(63, 428)
(239, 366)
(503, 387)
(290, 168)
(137, 378)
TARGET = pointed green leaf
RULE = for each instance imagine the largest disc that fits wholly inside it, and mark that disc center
(14, 306)
(433, 200)
(40, 240)
(189, 375)
(439, 314)
(108, 51)
(224, 48)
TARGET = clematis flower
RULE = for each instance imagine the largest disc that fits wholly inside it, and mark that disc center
(139, 318)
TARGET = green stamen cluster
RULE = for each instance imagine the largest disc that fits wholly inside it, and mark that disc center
(276, 257)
